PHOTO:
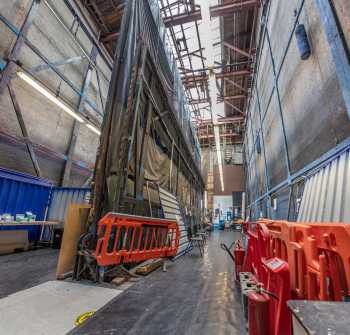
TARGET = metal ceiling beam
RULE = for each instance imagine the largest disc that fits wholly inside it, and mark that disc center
(24, 130)
(232, 74)
(221, 135)
(238, 50)
(230, 8)
(232, 97)
(194, 78)
(235, 85)
(224, 120)
(234, 107)
(10, 69)
(199, 101)
(183, 18)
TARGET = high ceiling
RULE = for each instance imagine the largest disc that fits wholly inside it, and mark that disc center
(233, 69)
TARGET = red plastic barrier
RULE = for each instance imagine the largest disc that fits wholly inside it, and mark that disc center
(258, 314)
(318, 255)
(278, 286)
(238, 253)
(299, 261)
(256, 252)
(126, 238)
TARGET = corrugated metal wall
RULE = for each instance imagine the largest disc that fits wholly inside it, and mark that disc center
(61, 198)
(20, 193)
(171, 209)
(326, 196)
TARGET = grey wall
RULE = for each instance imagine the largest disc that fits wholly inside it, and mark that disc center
(300, 120)
(48, 126)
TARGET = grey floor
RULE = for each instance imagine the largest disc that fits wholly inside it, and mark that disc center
(24, 270)
(195, 296)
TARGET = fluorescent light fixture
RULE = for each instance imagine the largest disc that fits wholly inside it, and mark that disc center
(93, 128)
(45, 92)
(210, 28)
(219, 156)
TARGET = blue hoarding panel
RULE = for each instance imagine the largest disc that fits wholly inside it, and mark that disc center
(20, 193)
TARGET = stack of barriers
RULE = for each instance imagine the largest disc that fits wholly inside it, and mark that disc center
(291, 260)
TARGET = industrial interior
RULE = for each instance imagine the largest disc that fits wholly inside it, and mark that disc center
(175, 167)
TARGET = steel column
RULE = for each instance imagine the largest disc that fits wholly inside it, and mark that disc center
(11, 66)
(339, 49)
(24, 130)
(279, 105)
(76, 126)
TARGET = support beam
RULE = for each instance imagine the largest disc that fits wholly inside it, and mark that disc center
(195, 53)
(232, 74)
(76, 126)
(230, 8)
(24, 130)
(236, 119)
(235, 85)
(199, 101)
(42, 67)
(221, 135)
(10, 69)
(235, 49)
(194, 79)
(338, 47)
(234, 107)
(183, 18)
(232, 97)
(44, 151)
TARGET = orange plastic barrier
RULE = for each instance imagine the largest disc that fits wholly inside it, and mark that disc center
(318, 256)
(126, 238)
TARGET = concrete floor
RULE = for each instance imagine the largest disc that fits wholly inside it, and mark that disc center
(51, 308)
(195, 296)
(24, 270)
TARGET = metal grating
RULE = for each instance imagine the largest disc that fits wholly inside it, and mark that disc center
(326, 196)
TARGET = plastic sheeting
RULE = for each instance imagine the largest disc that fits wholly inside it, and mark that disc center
(157, 164)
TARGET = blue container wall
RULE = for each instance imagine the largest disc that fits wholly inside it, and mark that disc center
(20, 193)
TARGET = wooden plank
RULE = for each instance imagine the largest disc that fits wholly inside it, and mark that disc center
(149, 267)
(119, 280)
(74, 227)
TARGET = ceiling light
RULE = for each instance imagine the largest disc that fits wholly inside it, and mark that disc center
(93, 128)
(45, 92)
(219, 156)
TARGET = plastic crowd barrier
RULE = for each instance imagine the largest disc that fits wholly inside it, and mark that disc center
(126, 238)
